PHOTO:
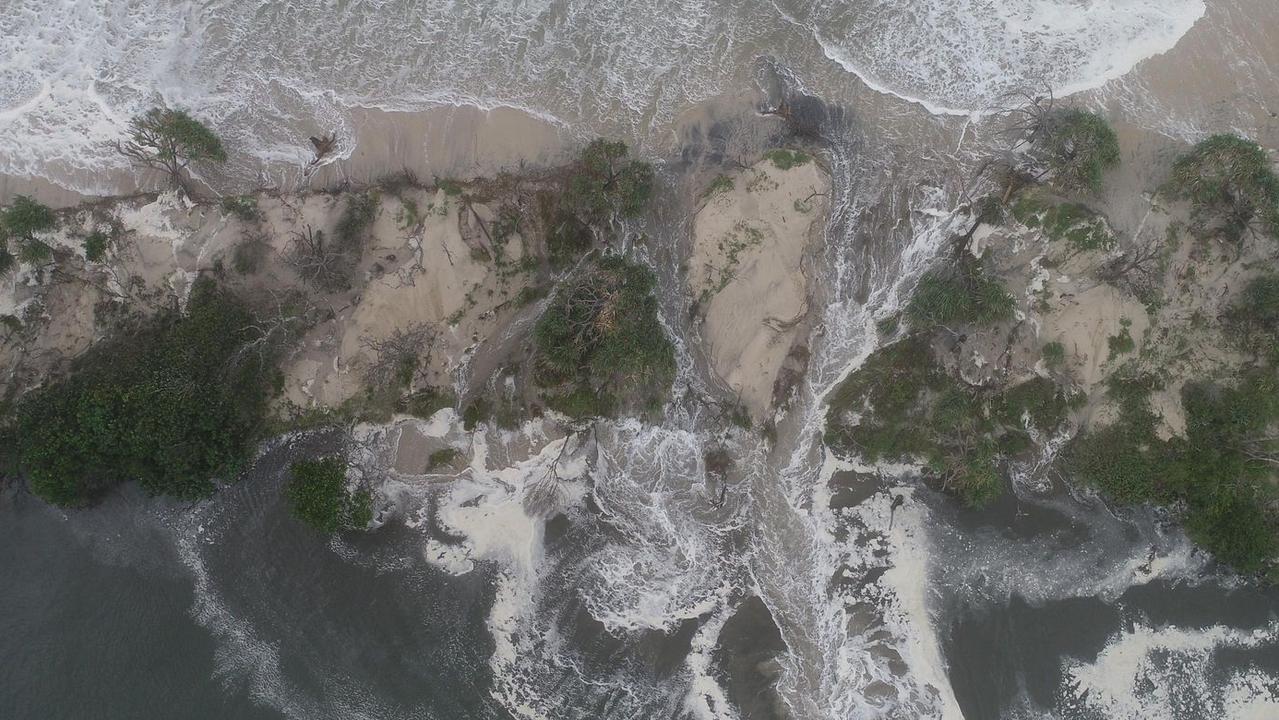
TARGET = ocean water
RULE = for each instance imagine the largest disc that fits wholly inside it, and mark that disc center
(638, 589)
(269, 74)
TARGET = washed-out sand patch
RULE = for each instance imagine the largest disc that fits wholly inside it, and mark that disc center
(747, 272)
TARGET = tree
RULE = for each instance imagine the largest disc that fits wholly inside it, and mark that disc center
(1079, 147)
(318, 496)
(21, 221)
(1230, 183)
(600, 341)
(172, 405)
(606, 183)
(170, 140)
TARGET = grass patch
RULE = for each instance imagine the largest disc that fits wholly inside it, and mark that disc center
(721, 184)
(1054, 354)
(1231, 185)
(1073, 223)
(1079, 146)
(784, 159)
(959, 294)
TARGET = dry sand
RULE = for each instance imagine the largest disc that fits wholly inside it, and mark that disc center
(747, 273)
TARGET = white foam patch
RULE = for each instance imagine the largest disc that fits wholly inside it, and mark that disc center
(485, 508)
(1167, 672)
(965, 56)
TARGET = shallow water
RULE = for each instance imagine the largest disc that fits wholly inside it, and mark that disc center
(269, 74)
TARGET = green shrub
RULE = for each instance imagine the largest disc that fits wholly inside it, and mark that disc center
(95, 246)
(1122, 343)
(20, 222)
(318, 496)
(1082, 228)
(1230, 183)
(444, 457)
(977, 479)
(959, 294)
(1219, 474)
(34, 252)
(901, 406)
(602, 333)
(174, 405)
(1039, 399)
(721, 184)
(1253, 319)
(353, 226)
(604, 183)
(24, 218)
(426, 402)
(783, 159)
(244, 207)
(1079, 147)
(1054, 354)
(581, 402)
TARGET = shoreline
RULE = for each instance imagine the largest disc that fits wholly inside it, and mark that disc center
(460, 142)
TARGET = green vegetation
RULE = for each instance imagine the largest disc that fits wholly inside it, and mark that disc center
(959, 293)
(328, 262)
(318, 496)
(173, 404)
(170, 140)
(357, 218)
(1054, 354)
(602, 185)
(1253, 319)
(451, 187)
(426, 402)
(1121, 344)
(783, 159)
(244, 207)
(721, 184)
(907, 408)
(1219, 475)
(249, 254)
(605, 184)
(95, 246)
(444, 457)
(477, 411)
(1231, 185)
(1079, 146)
(1082, 228)
(20, 222)
(600, 342)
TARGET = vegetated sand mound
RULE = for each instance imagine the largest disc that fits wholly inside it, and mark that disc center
(429, 263)
(747, 272)
(429, 260)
